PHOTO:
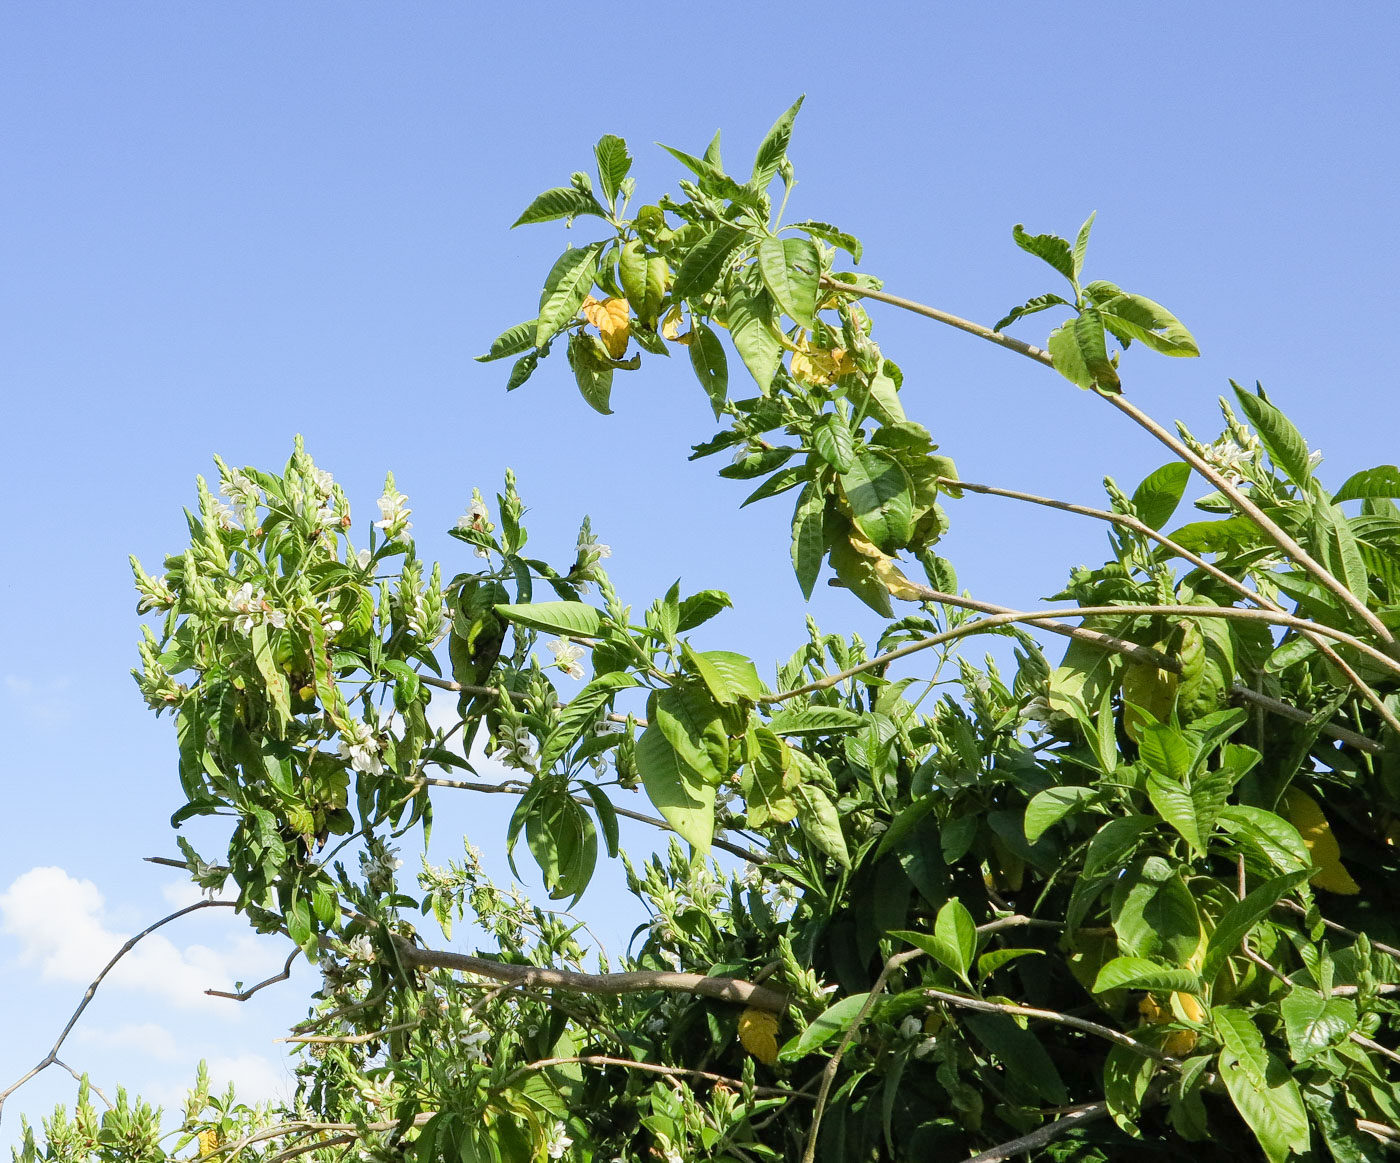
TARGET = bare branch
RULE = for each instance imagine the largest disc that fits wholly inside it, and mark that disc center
(1075, 1117)
(653, 1068)
(273, 980)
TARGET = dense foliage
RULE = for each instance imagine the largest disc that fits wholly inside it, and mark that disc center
(1129, 898)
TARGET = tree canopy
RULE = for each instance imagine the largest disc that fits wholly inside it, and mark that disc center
(1130, 897)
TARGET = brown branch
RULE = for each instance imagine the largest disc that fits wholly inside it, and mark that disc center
(1074, 1117)
(1269, 527)
(273, 980)
(290, 1128)
(651, 1067)
(1294, 907)
(51, 1057)
(1288, 711)
(728, 989)
(348, 1039)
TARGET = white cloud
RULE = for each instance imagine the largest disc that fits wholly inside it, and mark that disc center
(255, 1077)
(46, 704)
(147, 1038)
(58, 923)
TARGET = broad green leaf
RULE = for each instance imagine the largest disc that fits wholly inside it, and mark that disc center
(1138, 317)
(936, 947)
(807, 540)
(1112, 843)
(780, 482)
(274, 681)
(592, 371)
(1165, 751)
(834, 442)
(1081, 245)
(1155, 915)
(824, 1027)
(564, 843)
(814, 720)
(1271, 1105)
(728, 676)
(571, 618)
(607, 816)
(613, 163)
(820, 823)
(1285, 446)
(1314, 1022)
(1029, 307)
(1020, 1053)
(956, 929)
(701, 607)
(1049, 807)
(690, 720)
(560, 202)
(703, 265)
(1049, 247)
(686, 804)
(773, 148)
(790, 268)
(1275, 838)
(1340, 552)
(993, 960)
(511, 341)
(1192, 810)
(830, 234)
(1240, 918)
(1139, 973)
(1080, 354)
(751, 330)
(711, 366)
(1381, 481)
(1126, 1077)
(880, 495)
(1241, 1039)
(1156, 499)
(522, 370)
(581, 712)
(565, 288)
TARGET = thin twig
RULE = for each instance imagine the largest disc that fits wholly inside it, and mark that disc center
(51, 1057)
(638, 981)
(1284, 710)
(1295, 907)
(1269, 527)
(273, 980)
(650, 1067)
(349, 1039)
(1375, 1047)
(1075, 1117)
(97, 1090)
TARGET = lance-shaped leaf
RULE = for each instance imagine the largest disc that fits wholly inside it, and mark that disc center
(773, 148)
(613, 163)
(1282, 441)
(820, 823)
(560, 202)
(1271, 1104)
(565, 288)
(750, 318)
(1156, 499)
(1081, 245)
(1240, 918)
(581, 713)
(702, 267)
(790, 269)
(1048, 247)
(830, 235)
(711, 366)
(511, 341)
(1381, 481)
(880, 495)
(807, 539)
(690, 721)
(1080, 352)
(274, 681)
(1029, 307)
(592, 371)
(824, 1027)
(834, 441)
(683, 801)
(1192, 810)
(1138, 317)
(571, 618)
(1139, 973)
(815, 720)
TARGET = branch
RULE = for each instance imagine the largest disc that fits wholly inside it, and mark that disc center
(289, 1128)
(51, 1057)
(1075, 1117)
(638, 981)
(671, 1071)
(1249, 595)
(273, 980)
(348, 1039)
(1270, 528)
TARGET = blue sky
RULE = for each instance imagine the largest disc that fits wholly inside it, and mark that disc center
(221, 225)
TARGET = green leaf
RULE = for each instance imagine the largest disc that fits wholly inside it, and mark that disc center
(1282, 441)
(749, 315)
(1113, 841)
(582, 711)
(685, 803)
(1381, 481)
(613, 163)
(1049, 247)
(1156, 499)
(834, 442)
(1139, 973)
(956, 929)
(1240, 918)
(571, 618)
(1340, 552)
(1138, 317)
(832, 1021)
(564, 843)
(1049, 807)
(274, 681)
(560, 202)
(1154, 914)
(607, 816)
(565, 288)
(703, 265)
(711, 366)
(991, 961)
(511, 341)
(592, 372)
(1274, 837)
(773, 148)
(935, 946)
(790, 269)
(1165, 751)
(1272, 1106)
(1241, 1039)
(1126, 1076)
(1029, 307)
(820, 823)
(690, 721)
(1081, 245)
(1020, 1053)
(880, 495)
(1192, 810)
(831, 235)
(780, 482)
(814, 720)
(1314, 1023)
(1080, 354)
(807, 541)
(522, 370)
(701, 607)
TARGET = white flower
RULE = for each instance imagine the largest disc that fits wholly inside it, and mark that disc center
(1228, 456)
(925, 1047)
(471, 1045)
(324, 481)
(242, 603)
(566, 656)
(238, 488)
(558, 1142)
(362, 750)
(360, 948)
(394, 512)
(1315, 458)
(475, 517)
(911, 1027)
(222, 514)
(593, 550)
(276, 618)
(519, 751)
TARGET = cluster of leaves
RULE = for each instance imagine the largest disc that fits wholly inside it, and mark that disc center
(1152, 881)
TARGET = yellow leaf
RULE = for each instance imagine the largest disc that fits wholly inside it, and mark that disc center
(208, 1141)
(612, 318)
(1305, 815)
(817, 365)
(1183, 1006)
(671, 326)
(758, 1033)
(887, 570)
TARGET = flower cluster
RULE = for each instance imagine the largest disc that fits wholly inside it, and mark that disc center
(362, 749)
(476, 520)
(566, 656)
(518, 750)
(250, 609)
(393, 512)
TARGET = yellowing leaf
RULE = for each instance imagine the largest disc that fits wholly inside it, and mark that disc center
(1151, 689)
(758, 1033)
(1183, 1006)
(817, 365)
(671, 326)
(887, 570)
(1305, 815)
(208, 1141)
(612, 318)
